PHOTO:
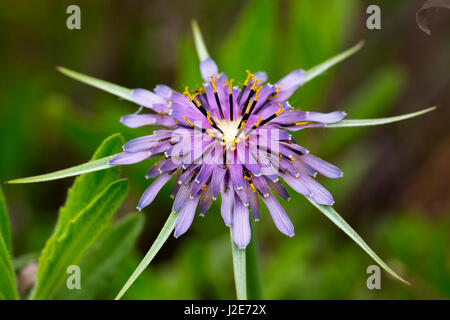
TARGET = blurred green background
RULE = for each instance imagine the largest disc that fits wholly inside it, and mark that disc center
(396, 189)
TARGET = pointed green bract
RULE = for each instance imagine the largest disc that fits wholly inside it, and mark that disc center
(101, 261)
(331, 214)
(114, 89)
(91, 166)
(200, 46)
(324, 66)
(5, 229)
(164, 234)
(240, 271)
(377, 122)
(8, 290)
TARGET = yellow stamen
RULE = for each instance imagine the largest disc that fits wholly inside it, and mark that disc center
(279, 110)
(292, 158)
(208, 116)
(301, 123)
(230, 84)
(257, 92)
(242, 125)
(252, 187)
(257, 122)
(249, 76)
(191, 98)
(247, 111)
(188, 122)
(213, 83)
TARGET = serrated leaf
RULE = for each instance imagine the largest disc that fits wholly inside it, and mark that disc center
(5, 229)
(377, 122)
(163, 235)
(101, 261)
(8, 290)
(112, 88)
(88, 185)
(68, 245)
(331, 214)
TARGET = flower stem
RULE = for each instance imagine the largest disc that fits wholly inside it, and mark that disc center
(240, 274)
(254, 280)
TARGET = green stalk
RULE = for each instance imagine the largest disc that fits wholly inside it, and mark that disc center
(240, 274)
(254, 275)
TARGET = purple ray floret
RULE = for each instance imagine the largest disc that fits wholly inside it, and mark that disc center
(229, 140)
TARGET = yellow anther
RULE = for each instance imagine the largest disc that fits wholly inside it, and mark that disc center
(208, 116)
(257, 123)
(188, 122)
(210, 134)
(258, 90)
(230, 85)
(247, 111)
(204, 187)
(292, 158)
(242, 125)
(186, 93)
(301, 123)
(279, 110)
(252, 187)
(172, 197)
(213, 83)
(249, 76)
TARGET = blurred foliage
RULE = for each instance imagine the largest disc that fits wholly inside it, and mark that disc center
(48, 122)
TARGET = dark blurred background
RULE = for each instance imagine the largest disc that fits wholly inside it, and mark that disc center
(396, 188)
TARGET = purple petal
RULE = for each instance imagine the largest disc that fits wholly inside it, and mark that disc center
(125, 158)
(163, 91)
(205, 202)
(279, 216)
(139, 144)
(323, 167)
(296, 184)
(236, 176)
(208, 68)
(217, 180)
(149, 195)
(227, 205)
(261, 75)
(204, 173)
(150, 100)
(180, 198)
(289, 84)
(279, 189)
(241, 225)
(139, 120)
(254, 204)
(318, 193)
(261, 185)
(186, 216)
(324, 117)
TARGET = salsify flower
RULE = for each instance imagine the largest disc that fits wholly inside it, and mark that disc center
(242, 130)
(230, 139)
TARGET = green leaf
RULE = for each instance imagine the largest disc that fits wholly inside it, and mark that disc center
(91, 166)
(202, 52)
(68, 244)
(5, 229)
(114, 89)
(154, 249)
(88, 185)
(101, 261)
(321, 68)
(8, 288)
(331, 214)
(240, 271)
(376, 122)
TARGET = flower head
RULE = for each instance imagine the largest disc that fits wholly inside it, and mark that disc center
(228, 139)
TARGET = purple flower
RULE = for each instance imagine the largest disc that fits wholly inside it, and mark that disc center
(229, 140)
